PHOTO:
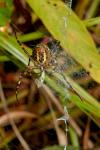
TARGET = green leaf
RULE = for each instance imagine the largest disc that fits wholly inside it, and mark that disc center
(6, 7)
(70, 31)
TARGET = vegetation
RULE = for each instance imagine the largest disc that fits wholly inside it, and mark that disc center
(38, 108)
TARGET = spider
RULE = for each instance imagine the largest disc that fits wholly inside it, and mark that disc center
(44, 60)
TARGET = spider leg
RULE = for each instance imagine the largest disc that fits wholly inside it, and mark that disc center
(70, 86)
(22, 75)
(21, 45)
(29, 62)
(67, 82)
(18, 85)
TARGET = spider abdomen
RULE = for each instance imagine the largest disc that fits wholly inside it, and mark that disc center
(42, 56)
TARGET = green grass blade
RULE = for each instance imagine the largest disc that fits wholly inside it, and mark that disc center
(55, 147)
(74, 137)
(87, 104)
(31, 36)
(12, 49)
(3, 58)
(91, 22)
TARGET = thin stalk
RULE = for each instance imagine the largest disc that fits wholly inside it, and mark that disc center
(74, 137)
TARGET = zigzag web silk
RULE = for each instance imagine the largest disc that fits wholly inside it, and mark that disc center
(65, 117)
